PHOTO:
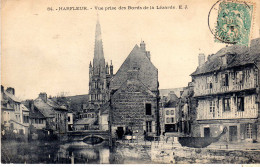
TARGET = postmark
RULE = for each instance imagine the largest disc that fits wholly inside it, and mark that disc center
(230, 21)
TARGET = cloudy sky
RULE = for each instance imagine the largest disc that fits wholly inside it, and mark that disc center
(50, 51)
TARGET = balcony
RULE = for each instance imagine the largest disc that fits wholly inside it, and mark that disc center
(217, 89)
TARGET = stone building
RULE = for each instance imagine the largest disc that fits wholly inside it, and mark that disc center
(169, 113)
(226, 87)
(14, 115)
(99, 73)
(134, 96)
(186, 110)
(54, 119)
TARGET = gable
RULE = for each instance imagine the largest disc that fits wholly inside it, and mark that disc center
(148, 73)
(133, 87)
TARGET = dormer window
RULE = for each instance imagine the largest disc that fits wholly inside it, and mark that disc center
(224, 60)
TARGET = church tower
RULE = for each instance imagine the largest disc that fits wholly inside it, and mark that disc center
(99, 73)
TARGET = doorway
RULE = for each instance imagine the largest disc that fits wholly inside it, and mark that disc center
(206, 132)
(120, 132)
(233, 133)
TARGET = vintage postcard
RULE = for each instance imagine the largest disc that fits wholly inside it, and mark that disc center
(130, 82)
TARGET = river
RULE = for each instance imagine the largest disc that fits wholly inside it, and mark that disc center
(53, 152)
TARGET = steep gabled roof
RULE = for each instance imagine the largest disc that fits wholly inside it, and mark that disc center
(36, 113)
(24, 108)
(45, 108)
(148, 72)
(12, 97)
(136, 84)
(241, 57)
(171, 104)
(105, 108)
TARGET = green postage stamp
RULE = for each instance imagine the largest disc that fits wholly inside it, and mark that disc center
(234, 22)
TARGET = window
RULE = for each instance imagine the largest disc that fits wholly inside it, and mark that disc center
(240, 104)
(40, 121)
(148, 109)
(225, 80)
(25, 119)
(209, 83)
(239, 77)
(92, 115)
(172, 112)
(249, 131)
(172, 119)
(167, 112)
(68, 119)
(212, 106)
(37, 121)
(149, 126)
(168, 120)
(86, 127)
(226, 104)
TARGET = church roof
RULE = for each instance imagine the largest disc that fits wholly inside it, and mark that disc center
(148, 73)
(99, 60)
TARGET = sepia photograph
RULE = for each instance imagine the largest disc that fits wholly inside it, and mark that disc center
(130, 82)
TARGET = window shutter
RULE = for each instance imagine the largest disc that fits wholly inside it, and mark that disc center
(153, 126)
(144, 126)
(242, 131)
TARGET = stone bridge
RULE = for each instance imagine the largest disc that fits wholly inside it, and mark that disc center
(82, 134)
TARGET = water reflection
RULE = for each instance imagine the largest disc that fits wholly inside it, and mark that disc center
(54, 152)
(81, 152)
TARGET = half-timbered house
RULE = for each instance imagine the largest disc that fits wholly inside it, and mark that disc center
(226, 87)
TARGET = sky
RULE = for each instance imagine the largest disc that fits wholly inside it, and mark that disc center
(50, 51)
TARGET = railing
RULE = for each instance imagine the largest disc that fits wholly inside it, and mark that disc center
(224, 89)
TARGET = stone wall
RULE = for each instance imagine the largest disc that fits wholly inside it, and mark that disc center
(128, 106)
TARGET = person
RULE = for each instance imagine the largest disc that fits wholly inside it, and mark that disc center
(15, 131)
(3, 132)
(145, 134)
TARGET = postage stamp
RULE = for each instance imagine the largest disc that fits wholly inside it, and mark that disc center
(233, 22)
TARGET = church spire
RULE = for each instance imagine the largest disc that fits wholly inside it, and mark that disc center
(99, 59)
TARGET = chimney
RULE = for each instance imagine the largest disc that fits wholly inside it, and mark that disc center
(10, 90)
(201, 59)
(142, 46)
(254, 46)
(43, 96)
(31, 105)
